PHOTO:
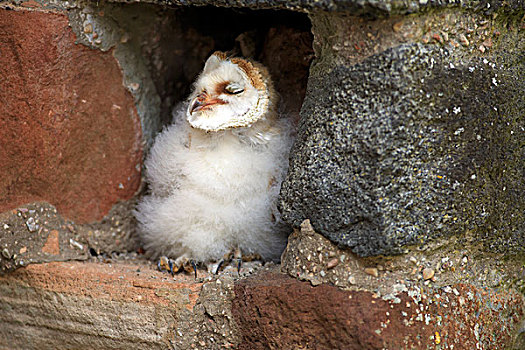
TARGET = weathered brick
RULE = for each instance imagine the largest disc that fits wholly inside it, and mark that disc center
(92, 305)
(278, 312)
(69, 131)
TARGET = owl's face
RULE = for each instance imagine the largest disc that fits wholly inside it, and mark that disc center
(229, 93)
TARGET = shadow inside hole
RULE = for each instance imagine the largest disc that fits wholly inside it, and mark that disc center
(183, 38)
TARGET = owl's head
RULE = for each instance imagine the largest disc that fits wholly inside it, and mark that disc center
(230, 93)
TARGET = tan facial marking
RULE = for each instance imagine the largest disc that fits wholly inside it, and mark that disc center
(251, 71)
(220, 88)
(220, 55)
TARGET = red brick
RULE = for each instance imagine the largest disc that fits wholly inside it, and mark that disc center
(75, 305)
(69, 130)
(279, 312)
(120, 282)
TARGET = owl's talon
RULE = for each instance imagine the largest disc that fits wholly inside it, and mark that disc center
(165, 264)
(219, 265)
(194, 265)
(251, 257)
(170, 264)
(239, 262)
(233, 258)
(182, 263)
(237, 254)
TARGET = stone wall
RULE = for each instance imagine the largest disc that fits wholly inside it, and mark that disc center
(404, 190)
(412, 130)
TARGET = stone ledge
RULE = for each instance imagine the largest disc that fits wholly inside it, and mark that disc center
(86, 305)
(130, 305)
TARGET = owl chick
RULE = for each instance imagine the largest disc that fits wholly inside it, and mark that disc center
(215, 173)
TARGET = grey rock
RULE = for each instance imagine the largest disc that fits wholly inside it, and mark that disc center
(23, 238)
(5, 253)
(411, 144)
(210, 323)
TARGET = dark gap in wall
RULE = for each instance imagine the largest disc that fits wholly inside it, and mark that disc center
(182, 39)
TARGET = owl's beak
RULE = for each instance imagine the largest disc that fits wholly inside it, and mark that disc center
(203, 102)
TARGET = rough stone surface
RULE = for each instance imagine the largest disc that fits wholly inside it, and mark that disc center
(279, 312)
(69, 131)
(129, 305)
(419, 141)
(91, 305)
(455, 267)
(126, 31)
(356, 7)
(36, 233)
(210, 324)
(309, 256)
(117, 305)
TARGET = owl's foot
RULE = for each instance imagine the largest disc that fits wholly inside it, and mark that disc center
(234, 255)
(236, 258)
(182, 263)
(165, 264)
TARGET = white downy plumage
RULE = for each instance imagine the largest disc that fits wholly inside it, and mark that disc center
(214, 184)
